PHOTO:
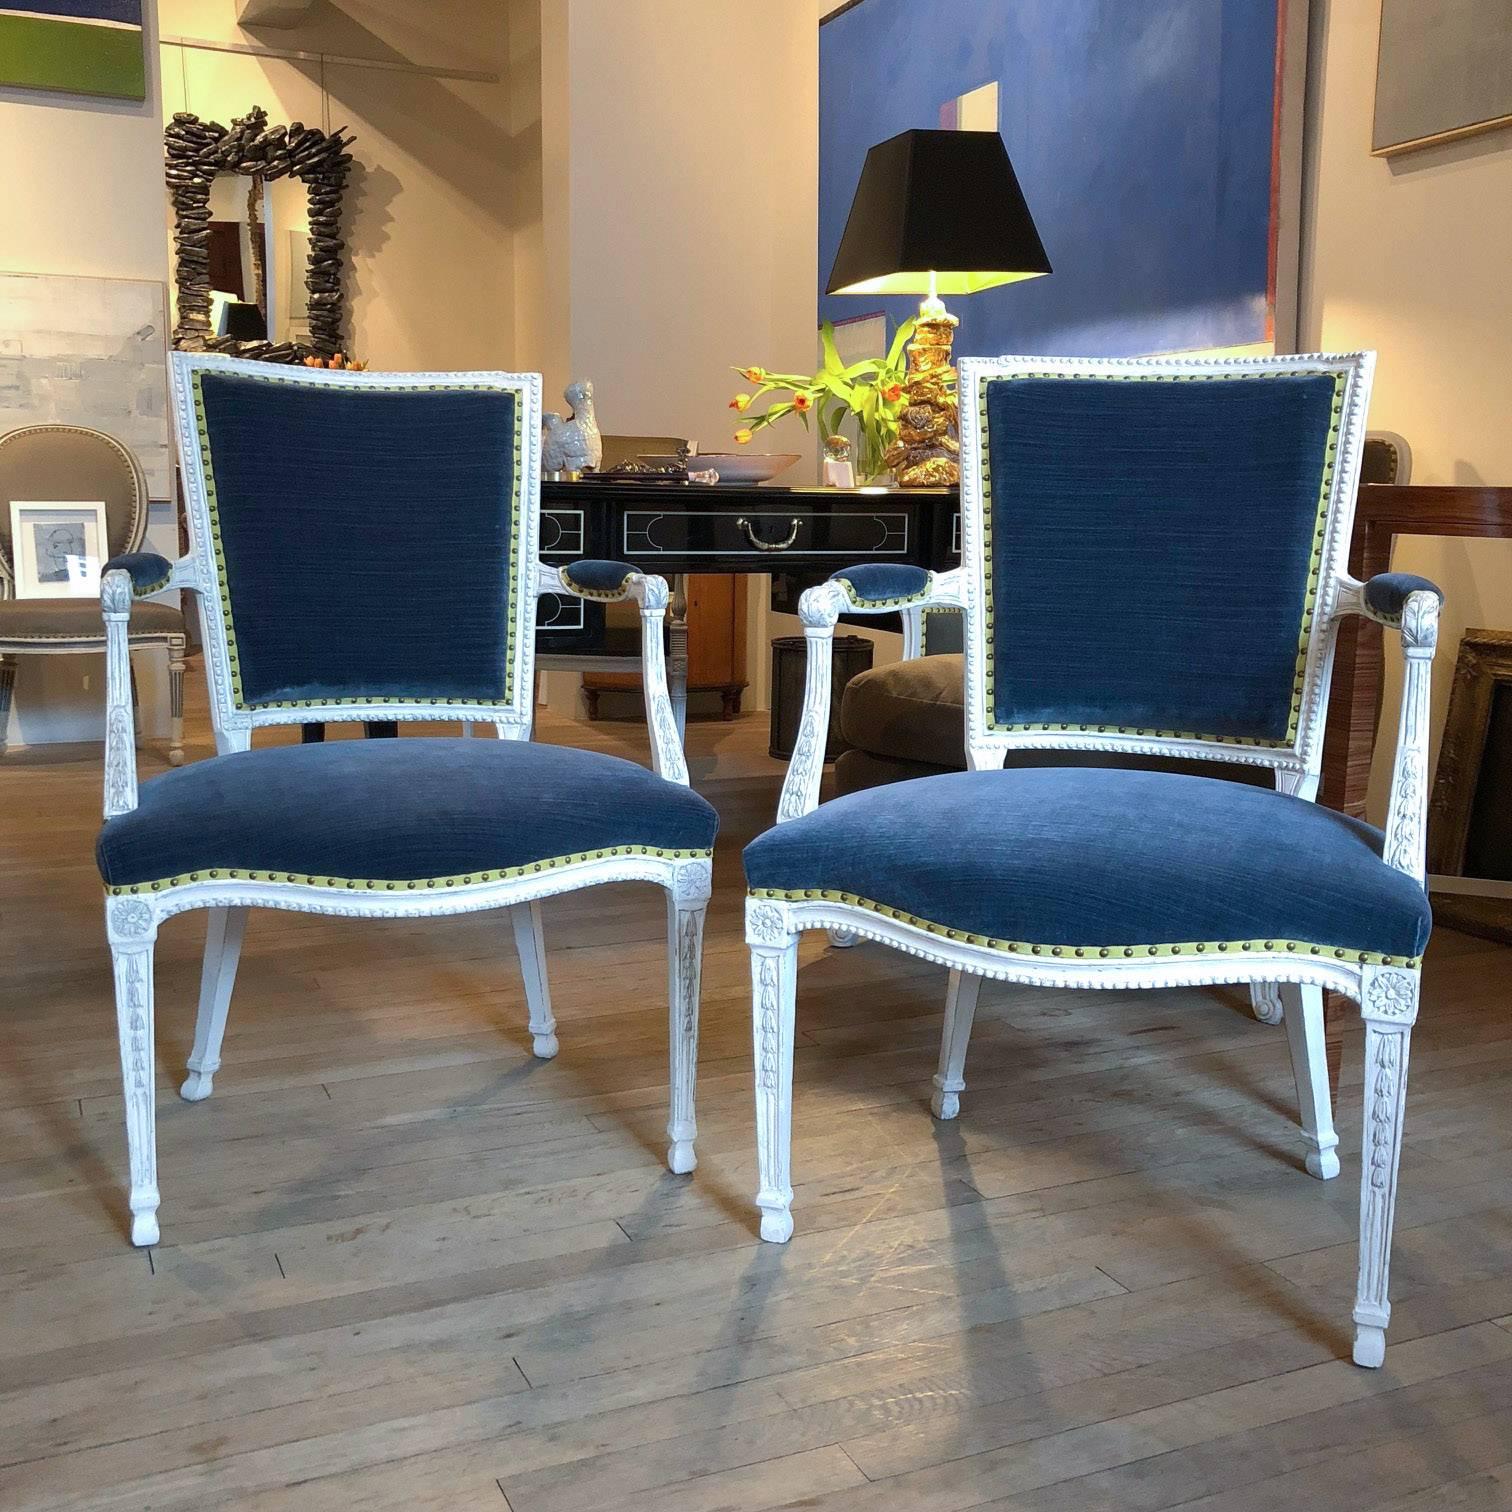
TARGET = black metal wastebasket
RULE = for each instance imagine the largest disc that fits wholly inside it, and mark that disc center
(852, 655)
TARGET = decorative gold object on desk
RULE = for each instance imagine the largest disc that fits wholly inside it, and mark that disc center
(928, 449)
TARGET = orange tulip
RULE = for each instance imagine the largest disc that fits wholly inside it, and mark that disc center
(740, 402)
(893, 393)
(742, 436)
(755, 374)
(802, 402)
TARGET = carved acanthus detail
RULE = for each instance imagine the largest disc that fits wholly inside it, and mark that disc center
(1404, 847)
(795, 790)
(823, 605)
(1383, 1117)
(769, 1012)
(688, 957)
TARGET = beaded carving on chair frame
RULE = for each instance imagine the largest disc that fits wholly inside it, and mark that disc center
(1130, 702)
(497, 690)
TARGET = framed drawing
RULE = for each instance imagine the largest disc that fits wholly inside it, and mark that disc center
(59, 548)
(1442, 71)
(89, 47)
(1158, 143)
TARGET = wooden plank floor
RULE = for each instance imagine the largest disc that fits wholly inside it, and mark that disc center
(405, 1266)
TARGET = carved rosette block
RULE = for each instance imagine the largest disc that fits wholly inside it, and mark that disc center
(195, 152)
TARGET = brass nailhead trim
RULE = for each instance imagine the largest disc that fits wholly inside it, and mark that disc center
(381, 884)
(1020, 947)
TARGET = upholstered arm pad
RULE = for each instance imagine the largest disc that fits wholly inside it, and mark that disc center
(884, 585)
(149, 572)
(591, 579)
(1386, 594)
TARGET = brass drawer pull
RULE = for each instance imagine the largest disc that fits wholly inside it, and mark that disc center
(760, 545)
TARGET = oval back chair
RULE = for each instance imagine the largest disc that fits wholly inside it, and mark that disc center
(71, 462)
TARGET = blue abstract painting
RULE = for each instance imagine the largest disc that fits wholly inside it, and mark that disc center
(1143, 133)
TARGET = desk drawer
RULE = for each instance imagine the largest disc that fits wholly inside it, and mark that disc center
(767, 534)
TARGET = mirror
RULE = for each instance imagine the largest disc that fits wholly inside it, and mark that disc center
(258, 263)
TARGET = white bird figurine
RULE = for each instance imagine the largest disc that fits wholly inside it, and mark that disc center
(572, 445)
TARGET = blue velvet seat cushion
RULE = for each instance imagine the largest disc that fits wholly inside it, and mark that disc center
(1096, 857)
(396, 810)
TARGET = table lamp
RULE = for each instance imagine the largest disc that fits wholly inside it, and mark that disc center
(936, 212)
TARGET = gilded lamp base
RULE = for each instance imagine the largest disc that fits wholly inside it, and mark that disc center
(927, 453)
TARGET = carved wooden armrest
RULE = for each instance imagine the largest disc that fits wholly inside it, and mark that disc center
(1409, 604)
(853, 591)
(613, 582)
(116, 593)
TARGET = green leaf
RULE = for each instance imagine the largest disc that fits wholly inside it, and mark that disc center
(832, 363)
(899, 342)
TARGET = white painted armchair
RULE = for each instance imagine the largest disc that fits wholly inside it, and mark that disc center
(365, 548)
(1153, 565)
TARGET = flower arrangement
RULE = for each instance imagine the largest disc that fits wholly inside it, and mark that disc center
(339, 360)
(872, 391)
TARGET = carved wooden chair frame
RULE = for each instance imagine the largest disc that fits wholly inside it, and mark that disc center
(1387, 989)
(133, 914)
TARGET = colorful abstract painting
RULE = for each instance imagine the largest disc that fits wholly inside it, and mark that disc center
(89, 47)
(1143, 132)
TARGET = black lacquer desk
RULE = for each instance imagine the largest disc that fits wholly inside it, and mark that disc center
(678, 528)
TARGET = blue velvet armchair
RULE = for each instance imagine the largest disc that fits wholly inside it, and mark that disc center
(1153, 566)
(365, 548)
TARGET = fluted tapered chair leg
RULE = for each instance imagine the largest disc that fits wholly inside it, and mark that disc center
(1389, 1004)
(530, 944)
(133, 934)
(774, 989)
(1309, 1056)
(685, 926)
(224, 928)
(960, 1012)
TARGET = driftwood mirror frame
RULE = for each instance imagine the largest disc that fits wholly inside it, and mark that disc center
(196, 152)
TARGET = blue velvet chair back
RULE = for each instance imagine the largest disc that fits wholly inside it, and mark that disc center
(364, 543)
(1153, 552)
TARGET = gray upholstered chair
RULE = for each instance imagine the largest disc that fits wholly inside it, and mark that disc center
(55, 462)
(366, 547)
(1154, 565)
(908, 718)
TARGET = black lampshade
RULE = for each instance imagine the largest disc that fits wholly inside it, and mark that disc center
(941, 202)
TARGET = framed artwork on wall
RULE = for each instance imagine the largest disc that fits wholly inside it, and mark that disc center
(91, 352)
(1158, 144)
(59, 547)
(91, 47)
(1442, 71)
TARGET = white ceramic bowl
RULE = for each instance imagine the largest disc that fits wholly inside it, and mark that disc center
(743, 467)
